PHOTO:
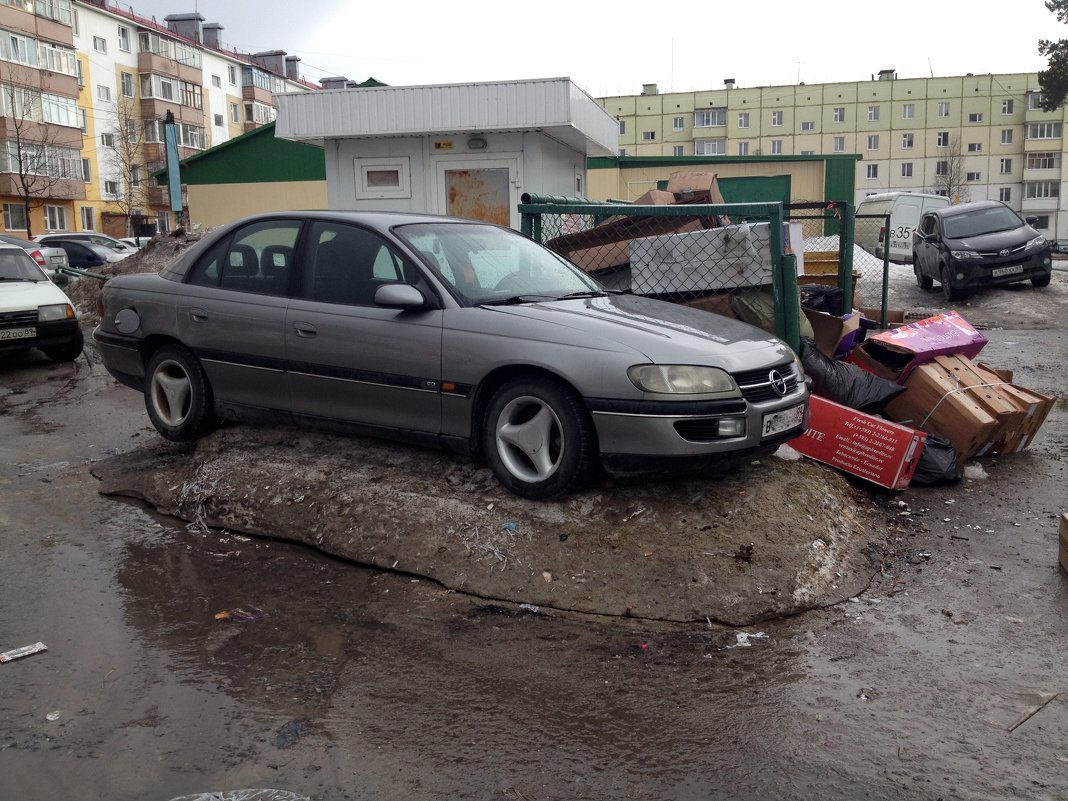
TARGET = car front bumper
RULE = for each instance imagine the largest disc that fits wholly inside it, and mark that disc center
(975, 273)
(55, 333)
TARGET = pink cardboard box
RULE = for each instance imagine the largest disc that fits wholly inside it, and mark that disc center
(896, 353)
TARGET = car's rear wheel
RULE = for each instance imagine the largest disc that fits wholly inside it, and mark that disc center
(177, 395)
(924, 282)
(538, 438)
(1041, 280)
(949, 291)
(68, 352)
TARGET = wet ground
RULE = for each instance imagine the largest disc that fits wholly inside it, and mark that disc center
(943, 679)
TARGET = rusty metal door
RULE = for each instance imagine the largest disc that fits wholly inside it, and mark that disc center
(479, 194)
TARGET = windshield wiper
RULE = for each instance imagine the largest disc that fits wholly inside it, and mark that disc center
(587, 293)
(515, 300)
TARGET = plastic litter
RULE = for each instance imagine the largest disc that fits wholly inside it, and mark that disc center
(744, 639)
(530, 608)
(246, 614)
(52, 715)
(975, 472)
(26, 650)
(289, 734)
(787, 453)
(244, 795)
(845, 383)
(938, 463)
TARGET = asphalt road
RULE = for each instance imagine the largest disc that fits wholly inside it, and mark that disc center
(945, 679)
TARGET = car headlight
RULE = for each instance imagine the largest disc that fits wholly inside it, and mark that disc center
(56, 311)
(680, 379)
(1037, 242)
(962, 255)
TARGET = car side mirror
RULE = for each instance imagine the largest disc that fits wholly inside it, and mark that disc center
(400, 296)
(1030, 220)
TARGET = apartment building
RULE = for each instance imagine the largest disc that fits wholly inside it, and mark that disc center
(88, 86)
(974, 137)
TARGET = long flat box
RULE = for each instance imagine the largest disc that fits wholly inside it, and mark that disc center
(716, 258)
(869, 447)
(1063, 550)
(896, 353)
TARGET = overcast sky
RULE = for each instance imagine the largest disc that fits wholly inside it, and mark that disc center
(612, 48)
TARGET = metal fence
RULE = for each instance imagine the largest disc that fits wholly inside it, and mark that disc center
(754, 261)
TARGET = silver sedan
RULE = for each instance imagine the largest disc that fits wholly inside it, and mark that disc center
(449, 333)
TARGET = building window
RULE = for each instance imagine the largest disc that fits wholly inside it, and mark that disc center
(710, 117)
(743, 119)
(103, 93)
(873, 171)
(676, 150)
(622, 152)
(131, 131)
(55, 218)
(808, 152)
(383, 178)
(126, 81)
(231, 74)
(81, 75)
(678, 123)
(124, 39)
(1034, 101)
(941, 168)
(838, 144)
(873, 113)
(975, 117)
(135, 175)
(622, 127)
(710, 147)
(838, 115)
(648, 136)
(776, 147)
(88, 218)
(1005, 194)
(1042, 222)
(873, 141)
(100, 44)
(219, 120)
(906, 169)
(908, 111)
(943, 109)
(975, 147)
(83, 120)
(1043, 161)
(234, 113)
(972, 176)
(907, 141)
(942, 140)
(808, 126)
(776, 118)
(1006, 136)
(743, 148)
(1044, 130)
(107, 139)
(14, 216)
(87, 174)
(216, 81)
(1042, 189)
(1006, 166)
(1006, 107)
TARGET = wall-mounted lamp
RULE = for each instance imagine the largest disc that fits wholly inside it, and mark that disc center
(476, 143)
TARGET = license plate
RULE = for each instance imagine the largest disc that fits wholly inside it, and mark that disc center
(777, 422)
(17, 333)
(1016, 268)
(57, 259)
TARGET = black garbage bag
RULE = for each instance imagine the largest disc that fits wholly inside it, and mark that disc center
(846, 383)
(938, 463)
(819, 297)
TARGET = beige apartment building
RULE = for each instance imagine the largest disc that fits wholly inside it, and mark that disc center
(973, 137)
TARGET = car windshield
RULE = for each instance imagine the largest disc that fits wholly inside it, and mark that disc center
(15, 265)
(487, 264)
(980, 221)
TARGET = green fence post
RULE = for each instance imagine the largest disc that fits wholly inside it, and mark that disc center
(526, 224)
(784, 283)
(847, 236)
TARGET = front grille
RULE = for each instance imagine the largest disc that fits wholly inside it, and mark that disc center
(18, 319)
(756, 385)
(996, 254)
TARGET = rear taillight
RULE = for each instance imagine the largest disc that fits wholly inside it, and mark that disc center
(38, 257)
(882, 232)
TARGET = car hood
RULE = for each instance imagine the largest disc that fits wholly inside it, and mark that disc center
(998, 240)
(22, 295)
(665, 333)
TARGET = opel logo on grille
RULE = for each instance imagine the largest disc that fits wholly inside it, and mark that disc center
(1004, 252)
(778, 382)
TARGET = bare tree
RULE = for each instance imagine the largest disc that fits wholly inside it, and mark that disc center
(43, 166)
(124, 160)
(951, 174)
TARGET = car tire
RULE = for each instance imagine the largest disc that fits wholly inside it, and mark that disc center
(949, 291)
(69, 352)
(178, 396)
(538, 438)
(1040, 281)
(924, 282)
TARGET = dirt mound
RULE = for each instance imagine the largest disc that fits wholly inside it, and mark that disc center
(769, 540)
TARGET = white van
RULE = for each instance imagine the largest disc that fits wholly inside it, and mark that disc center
(905, 210)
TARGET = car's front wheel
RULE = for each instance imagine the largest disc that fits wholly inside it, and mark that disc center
(949, 291)
(68, 352)
(538, 438)
(1040, 281)
(177, 395)
(924, 282)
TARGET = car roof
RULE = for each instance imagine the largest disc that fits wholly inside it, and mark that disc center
(964, 208)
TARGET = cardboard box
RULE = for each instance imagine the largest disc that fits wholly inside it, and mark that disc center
(1063, 550)
(833, 335)
(717, 258)
(894, 317)
(896, 353)
(655, 197)
(869, 447)
(717, 304)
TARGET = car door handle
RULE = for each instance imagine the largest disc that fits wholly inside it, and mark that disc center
(304, 330)
(199, 315)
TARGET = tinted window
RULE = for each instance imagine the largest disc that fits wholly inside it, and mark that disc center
(981, 221)
(257, 258)
(346, 264)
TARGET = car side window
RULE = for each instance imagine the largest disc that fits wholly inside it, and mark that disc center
(928, 225)
(258, 259)
(346, 264)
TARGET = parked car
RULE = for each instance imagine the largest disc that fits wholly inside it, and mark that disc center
(110, 242)
(136, 242)
(905, 210)
(34, 312)
(48, 258)
(978, 244)
(444, 332)
(86, 255)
